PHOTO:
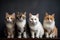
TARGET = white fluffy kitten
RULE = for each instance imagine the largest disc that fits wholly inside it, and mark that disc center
(35, 26)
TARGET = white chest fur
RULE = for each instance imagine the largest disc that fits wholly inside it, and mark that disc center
(9, 25)
(21, 24)
(38, 26)
(49, 26)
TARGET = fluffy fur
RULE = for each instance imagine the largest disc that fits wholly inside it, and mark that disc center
(10, 18)
(21, 24)
(49, 26)
(35, 26)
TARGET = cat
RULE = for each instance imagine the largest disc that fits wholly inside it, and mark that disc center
(21, 24)
(49, 26)
(35, 26)
(10, 22)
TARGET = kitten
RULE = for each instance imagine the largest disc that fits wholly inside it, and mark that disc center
(49, 26)
(21, 24)
(10, 19)
(35, 26)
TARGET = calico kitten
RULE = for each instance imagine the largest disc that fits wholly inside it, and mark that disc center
(10, 22)
(35, 26)
(49, 26)
(21, 24)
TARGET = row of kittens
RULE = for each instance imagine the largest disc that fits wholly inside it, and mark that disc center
(36, 28)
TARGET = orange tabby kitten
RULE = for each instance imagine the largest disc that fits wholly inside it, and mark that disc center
(10, 19)
(49, 26)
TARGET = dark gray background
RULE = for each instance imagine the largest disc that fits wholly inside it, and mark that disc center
(33, 6)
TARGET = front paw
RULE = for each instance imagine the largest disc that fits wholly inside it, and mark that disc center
(37, 36)
(33, 37)
(19, 36)
(47, 36)
(51, 36)
(8, 37)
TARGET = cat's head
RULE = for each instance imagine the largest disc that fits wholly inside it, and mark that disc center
(10, 17)
(21, 16)
(49, 18)
(33, 18)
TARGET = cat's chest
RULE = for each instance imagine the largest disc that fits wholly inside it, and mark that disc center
(48, 26)
(10, 26)
(36, 27)
(21, 24)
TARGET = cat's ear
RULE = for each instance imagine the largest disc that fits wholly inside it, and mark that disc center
(13, 14)
(37, 14)
(24, 13)
(30, 14)
(7, 13)
(46, 13)
(53, 15)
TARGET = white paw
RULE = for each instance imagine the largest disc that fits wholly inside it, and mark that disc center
(33, 37)
(8, 37)
(37, 36)
(19, 36)
(51, 36)
(12, 36)
(40, 36)
(47, 36)
(25, 35)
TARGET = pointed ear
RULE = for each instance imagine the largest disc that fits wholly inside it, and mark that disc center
(13, 14)
(30, 14)
(7, 13)
(53, 15)
(24, 13)
(37, 14)
(46, 13)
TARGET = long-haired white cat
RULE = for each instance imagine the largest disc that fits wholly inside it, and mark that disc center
(49, 26)
(10, 22)
(35, 26)
(21, 24)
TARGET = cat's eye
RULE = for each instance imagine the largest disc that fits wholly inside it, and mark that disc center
(31, 18)
(51, 18)
(47, 18)
(11, 18)
(35, 19)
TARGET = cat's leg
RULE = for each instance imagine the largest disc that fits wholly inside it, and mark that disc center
(41, 34)
(52, 35)
(19, 35)
(12, 36)
(47, 35)
(24, 35)
(8, 35)
(37, 34)
(32, 34)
